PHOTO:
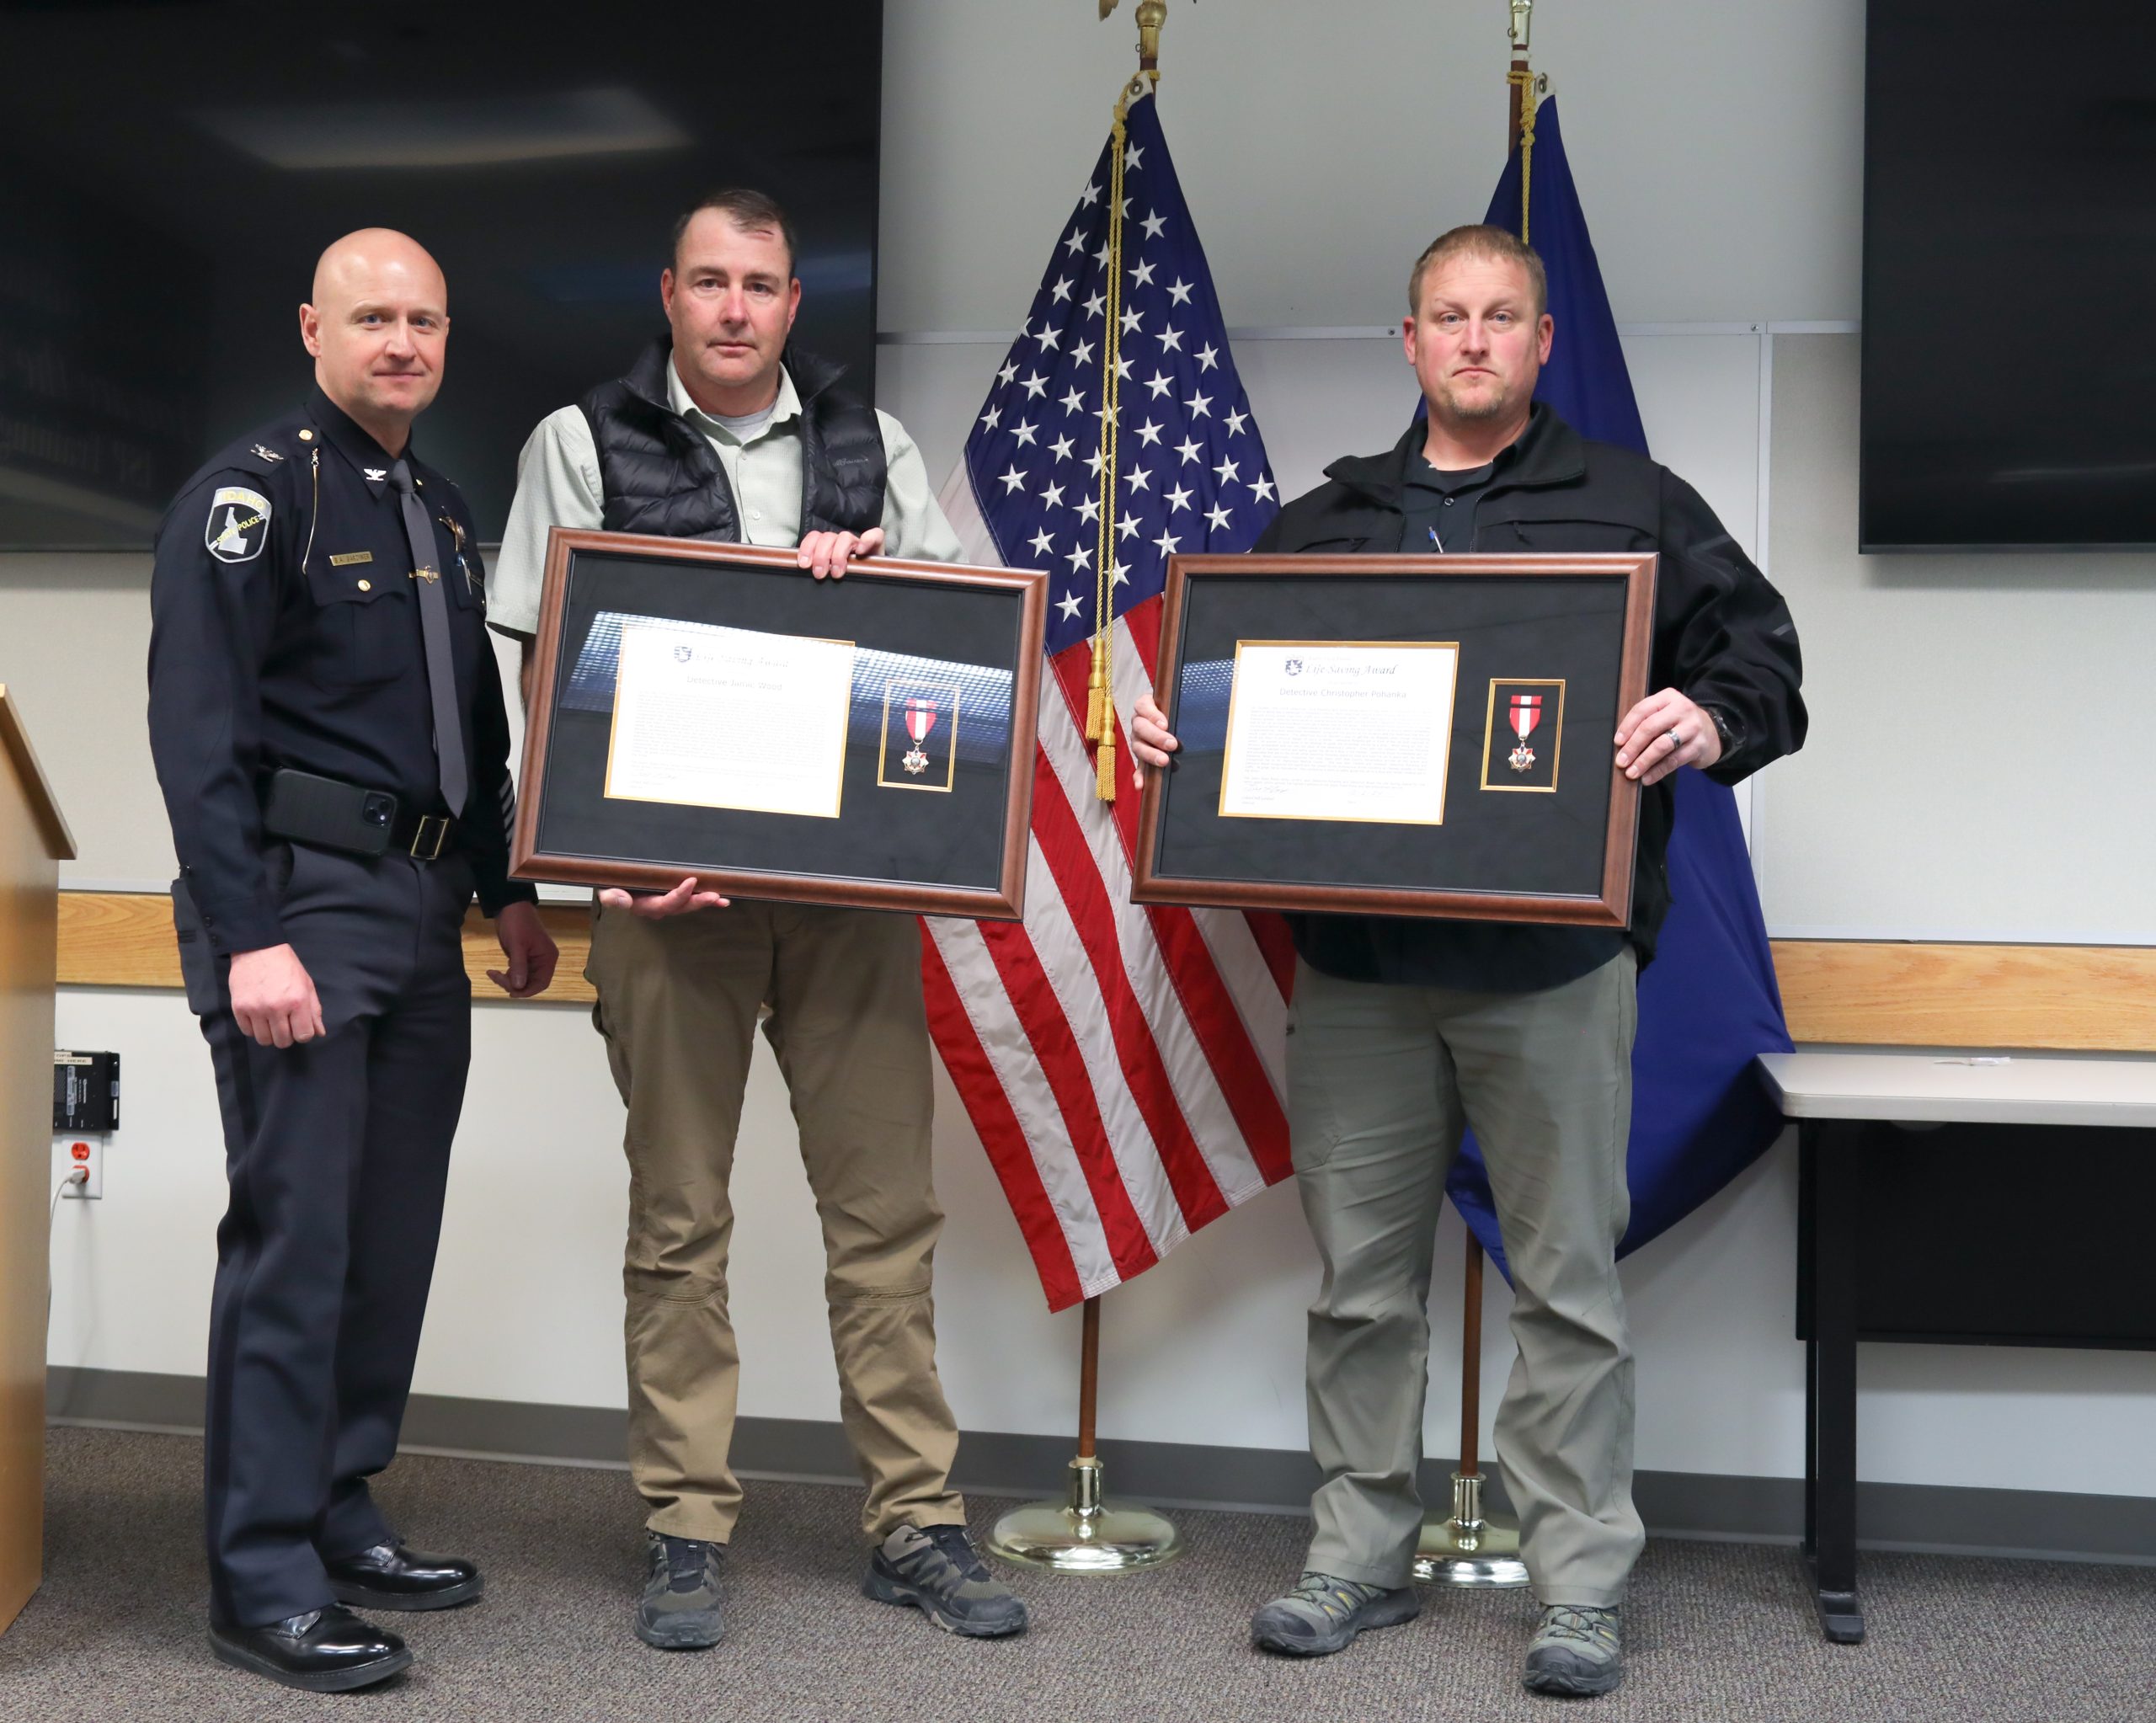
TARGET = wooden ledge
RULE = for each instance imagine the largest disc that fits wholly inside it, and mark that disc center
(1860, 993)
(125, 939)
(2047, 998)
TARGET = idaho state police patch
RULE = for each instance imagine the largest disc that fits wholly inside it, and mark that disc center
(238, 524)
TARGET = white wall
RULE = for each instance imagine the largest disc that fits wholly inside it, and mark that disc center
(1320, 146)
(1979, 765)
(1716, 149)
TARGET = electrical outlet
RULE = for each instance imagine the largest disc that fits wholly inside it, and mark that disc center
(86, 1153)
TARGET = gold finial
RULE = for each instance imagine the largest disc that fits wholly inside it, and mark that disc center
(1523, 19)
(1151, 15)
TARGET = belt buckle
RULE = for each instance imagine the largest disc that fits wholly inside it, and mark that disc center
(436, 825)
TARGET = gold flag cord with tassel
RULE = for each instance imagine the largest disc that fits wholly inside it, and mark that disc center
(1100, 696)
(1525, 86)
(1525, 80)
(1100, 688)
(1100, 684)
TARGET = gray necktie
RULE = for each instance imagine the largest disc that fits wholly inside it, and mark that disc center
(434, 628)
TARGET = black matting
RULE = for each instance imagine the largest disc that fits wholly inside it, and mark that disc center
(1509, 628)
(916, 836)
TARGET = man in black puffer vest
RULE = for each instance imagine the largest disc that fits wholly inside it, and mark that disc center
(1406, 1031)
(721, 431)
(658, 474)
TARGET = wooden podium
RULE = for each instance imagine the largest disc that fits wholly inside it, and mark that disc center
(34, 841)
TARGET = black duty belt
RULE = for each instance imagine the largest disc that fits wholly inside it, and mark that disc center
(307, 808)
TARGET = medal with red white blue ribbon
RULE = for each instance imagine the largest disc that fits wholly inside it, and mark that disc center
(1526, 714)
(921, 719)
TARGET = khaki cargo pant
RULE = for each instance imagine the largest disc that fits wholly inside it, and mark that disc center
(1381, 1082)
(678, 1003)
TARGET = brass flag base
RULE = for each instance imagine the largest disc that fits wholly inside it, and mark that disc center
(1088, 1534)
(1472, 1548)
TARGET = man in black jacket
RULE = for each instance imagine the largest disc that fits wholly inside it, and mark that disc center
(1405, 1032)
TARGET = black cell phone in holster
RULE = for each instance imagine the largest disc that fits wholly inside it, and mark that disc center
(308, 809)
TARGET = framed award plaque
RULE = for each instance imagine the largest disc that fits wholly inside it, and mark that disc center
(711, 709)
(1399, 735)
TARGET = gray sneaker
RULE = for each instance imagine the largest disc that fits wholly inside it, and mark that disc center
(680, 1609)
(1323, 1614)
(1575, 1653)
(936, 1569)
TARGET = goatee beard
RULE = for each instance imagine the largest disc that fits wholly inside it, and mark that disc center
(1492, 406)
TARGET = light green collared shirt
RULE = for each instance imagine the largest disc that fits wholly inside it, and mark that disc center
(557, 485)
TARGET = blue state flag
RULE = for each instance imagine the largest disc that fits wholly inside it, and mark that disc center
(1709, 1002)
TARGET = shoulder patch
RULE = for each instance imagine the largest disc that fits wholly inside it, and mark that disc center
(238, 525)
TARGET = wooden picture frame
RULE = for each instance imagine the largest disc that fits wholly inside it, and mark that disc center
(1583, 622)
(906, 613)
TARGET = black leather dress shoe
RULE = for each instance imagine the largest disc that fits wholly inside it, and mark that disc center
(390, 1576)
(325, 1650)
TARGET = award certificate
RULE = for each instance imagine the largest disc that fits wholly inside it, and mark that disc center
(711, 717)
(1340, 730)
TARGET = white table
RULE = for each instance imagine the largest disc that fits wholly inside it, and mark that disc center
(1963, 1088)
(1838, 1099)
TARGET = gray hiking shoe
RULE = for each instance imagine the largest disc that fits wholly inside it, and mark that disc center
(936, 1569)
(1575, 1653)
(680, 1609)
(1323, 1614)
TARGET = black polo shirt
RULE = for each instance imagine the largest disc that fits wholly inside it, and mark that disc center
(1438, 508)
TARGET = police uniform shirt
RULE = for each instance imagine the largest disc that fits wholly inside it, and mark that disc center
(558, 484)
(286, 632)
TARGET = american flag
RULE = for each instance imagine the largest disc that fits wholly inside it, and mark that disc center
(1124, 1066)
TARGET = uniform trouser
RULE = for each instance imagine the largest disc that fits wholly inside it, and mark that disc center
(337, 1152)
(1381, 1082)
(678, 1002)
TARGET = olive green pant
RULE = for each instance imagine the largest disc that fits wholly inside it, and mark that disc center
(1382, 1080)
(678, 1004)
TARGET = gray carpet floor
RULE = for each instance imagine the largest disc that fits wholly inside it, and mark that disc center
(1716, 1632)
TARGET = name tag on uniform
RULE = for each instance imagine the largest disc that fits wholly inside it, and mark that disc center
(349, 558)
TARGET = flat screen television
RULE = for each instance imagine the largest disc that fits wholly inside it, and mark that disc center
(168, 174)
(2009, 276)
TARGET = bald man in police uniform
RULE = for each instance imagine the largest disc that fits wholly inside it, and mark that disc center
(329, 729)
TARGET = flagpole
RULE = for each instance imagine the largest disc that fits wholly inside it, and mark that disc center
(1088, 1532)
(1473, 1546)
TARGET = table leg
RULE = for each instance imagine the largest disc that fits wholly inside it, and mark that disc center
(1807, 1322)
(1829, 1150)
